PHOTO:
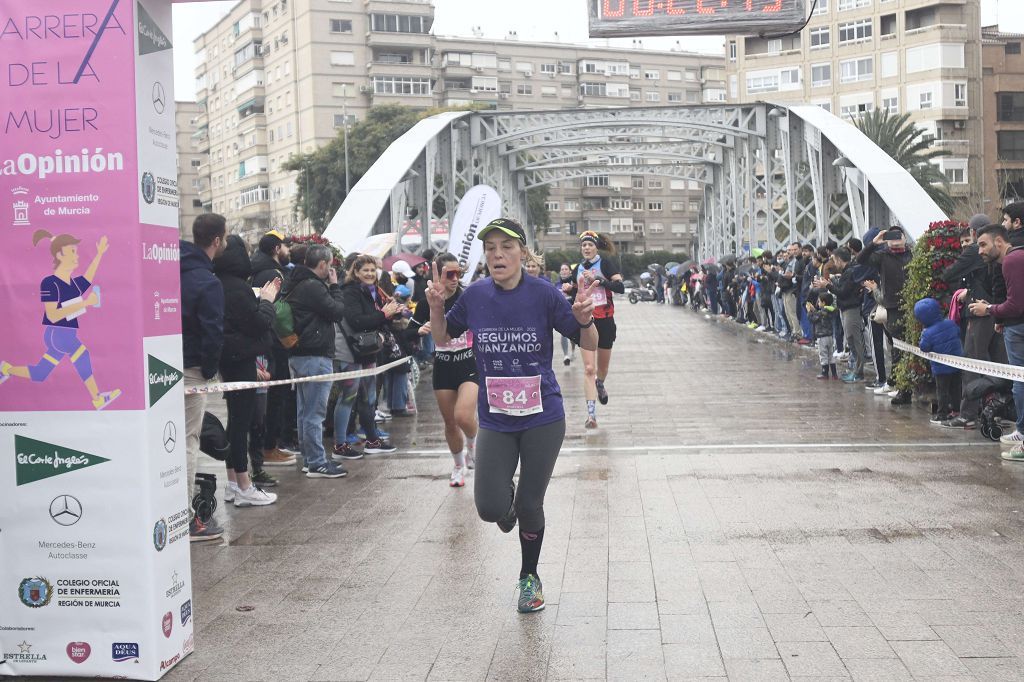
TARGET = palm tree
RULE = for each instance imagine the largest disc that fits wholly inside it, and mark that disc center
(908, 146)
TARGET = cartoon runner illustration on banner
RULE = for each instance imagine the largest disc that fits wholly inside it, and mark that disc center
(64, 299)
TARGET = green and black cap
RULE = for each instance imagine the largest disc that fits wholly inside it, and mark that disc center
(506, 225)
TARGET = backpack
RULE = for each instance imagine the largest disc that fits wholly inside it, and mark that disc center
(284, 323)
(213, 439)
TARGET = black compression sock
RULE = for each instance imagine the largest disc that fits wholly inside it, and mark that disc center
(530, 544)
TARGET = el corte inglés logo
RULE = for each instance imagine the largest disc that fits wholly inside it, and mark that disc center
(162, 378)
(36, 460)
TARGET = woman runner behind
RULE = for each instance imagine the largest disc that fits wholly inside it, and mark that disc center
(594, 268)
(454, 373)
(522, 421)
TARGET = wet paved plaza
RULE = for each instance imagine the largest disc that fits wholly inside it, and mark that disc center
(732, 518)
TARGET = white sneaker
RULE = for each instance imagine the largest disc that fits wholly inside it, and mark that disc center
(229, 492)
(1014, 438)
(253, 497)
(471, 454)
(458, 478)
(760, 328)
(883, 389)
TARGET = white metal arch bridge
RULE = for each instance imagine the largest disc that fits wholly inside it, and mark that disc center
(771, 173)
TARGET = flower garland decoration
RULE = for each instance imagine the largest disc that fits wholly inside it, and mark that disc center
(935, 251)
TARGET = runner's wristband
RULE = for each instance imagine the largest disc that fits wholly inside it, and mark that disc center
(588, 324)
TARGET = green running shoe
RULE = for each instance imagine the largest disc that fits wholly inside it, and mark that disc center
(531, 594)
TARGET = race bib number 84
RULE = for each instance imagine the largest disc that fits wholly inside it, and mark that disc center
(514, 396)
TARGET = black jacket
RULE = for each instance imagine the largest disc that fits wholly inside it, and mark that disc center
(316, 306)
(265, 268)
(970, 272)
(361, 313)
(892, 271)
(248, 320)
(202, 311)
(847, 290)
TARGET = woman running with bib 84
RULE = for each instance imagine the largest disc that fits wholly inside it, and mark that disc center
(595, 269)
(522, 422)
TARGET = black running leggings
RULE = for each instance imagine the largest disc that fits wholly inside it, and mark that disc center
(241, 407)
(497, 456)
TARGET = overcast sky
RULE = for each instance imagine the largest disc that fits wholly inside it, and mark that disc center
(532, 19)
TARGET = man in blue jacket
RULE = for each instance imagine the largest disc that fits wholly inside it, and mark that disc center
(941, 335)
(202, 337)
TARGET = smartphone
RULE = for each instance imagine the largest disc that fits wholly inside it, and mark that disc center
(893, 235)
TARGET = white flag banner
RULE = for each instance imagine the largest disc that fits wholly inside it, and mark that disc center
(480, 205)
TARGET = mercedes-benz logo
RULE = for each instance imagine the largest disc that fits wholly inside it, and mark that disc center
(65, 510)
(159, 98)
(170, 436)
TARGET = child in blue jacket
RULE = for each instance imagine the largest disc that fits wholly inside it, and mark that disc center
(941, 335)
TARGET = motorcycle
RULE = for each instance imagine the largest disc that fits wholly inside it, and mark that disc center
(642, 294)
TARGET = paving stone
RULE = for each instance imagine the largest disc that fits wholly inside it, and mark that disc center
(806, 659)
(682, 542)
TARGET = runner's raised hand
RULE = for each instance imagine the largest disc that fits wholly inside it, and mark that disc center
(583, 308)
(435, 290)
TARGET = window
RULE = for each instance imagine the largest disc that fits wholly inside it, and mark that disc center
(341, 119)
(638, 183)
(654, 205)
(891, 104)
(820, 38)
(524, 89)
(821, 8)
(504, 64)
(789, 77)
(655, 183)
(762, 83)
(674, 75)
(675, 97)
(1011, 145)
(341, 26)
(1011, 106)
(956, 176)
(853, 70)
(593, 89)
(890, 64)
(597, 181)
(652, 75)
(855, 31)
(678, 206)
(400, 23)
(1012, 48)
(656, 228)
(935, 56)
(565, 67)
(547, 68)
(653, 96)
(821, 75)
(775, 46)
(635, 95)
(401, 85)
(845, 5)
(925, 101)
(550, 205)
(638, 204)
(342, 58)
(960, 94)
(732, 50)
(855, 110)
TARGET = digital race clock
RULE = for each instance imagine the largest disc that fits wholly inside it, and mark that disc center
(614, 18)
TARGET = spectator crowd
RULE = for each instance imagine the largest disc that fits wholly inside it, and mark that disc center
(849, 301)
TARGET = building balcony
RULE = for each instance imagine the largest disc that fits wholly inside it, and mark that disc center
(255, 62)
(206, 195)
(946, 32)
(385, 38)
(398, 68)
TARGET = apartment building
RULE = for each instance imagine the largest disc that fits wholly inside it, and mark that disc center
(282, 77)
(916, 56)
(190, 160)
(1003, 89)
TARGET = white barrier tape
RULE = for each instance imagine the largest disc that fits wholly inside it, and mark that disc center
(993, 369)
(245, 385)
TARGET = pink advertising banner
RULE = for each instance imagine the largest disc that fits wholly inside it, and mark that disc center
(69, 184)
